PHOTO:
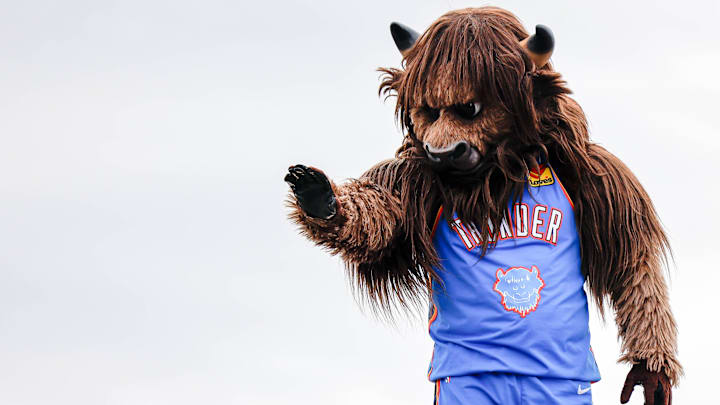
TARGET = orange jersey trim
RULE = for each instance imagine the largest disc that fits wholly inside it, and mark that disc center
(430, 322)
(433, 317)
(563, 188)
(437, 220)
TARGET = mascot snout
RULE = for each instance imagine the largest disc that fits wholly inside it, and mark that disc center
(460, 156)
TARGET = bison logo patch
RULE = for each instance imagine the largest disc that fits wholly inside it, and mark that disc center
(519, 289)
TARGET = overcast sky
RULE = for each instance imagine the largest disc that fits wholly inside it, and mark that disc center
(145, 256)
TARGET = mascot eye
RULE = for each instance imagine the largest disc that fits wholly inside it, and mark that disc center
(468, 111)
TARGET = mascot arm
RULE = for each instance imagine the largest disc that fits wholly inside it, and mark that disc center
(624, 250)
(648, 333)
(357, 219)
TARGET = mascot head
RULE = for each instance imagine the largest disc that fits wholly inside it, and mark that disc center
(469, 91)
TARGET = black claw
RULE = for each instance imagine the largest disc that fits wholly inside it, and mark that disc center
(291, 178)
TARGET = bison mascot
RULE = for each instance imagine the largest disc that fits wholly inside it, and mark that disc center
(496, 211)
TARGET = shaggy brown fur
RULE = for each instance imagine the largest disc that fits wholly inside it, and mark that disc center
(383, 226)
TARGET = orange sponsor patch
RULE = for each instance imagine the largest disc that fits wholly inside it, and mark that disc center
(542, 177)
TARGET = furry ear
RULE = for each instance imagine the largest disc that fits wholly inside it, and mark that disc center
(535, 271)
(403, 36)
(547, 84)
(500, 275)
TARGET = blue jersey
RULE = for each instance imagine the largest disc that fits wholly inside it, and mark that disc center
(521, 308)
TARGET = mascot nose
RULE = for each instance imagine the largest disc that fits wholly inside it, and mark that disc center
(459, 155)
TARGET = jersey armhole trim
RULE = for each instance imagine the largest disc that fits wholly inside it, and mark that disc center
(437, 220)
(562, 187)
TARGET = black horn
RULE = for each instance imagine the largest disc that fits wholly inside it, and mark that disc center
(540, 45)
(403, 36)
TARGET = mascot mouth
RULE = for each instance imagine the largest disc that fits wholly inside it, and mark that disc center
(519, 299)
(458, 157)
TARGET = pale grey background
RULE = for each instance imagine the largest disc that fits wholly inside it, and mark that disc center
(145, 257)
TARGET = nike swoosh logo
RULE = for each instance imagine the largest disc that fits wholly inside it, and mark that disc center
(582, 390)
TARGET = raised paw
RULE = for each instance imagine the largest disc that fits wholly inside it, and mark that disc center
(312, 190)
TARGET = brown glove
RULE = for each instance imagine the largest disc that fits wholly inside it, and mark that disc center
(658, 390)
